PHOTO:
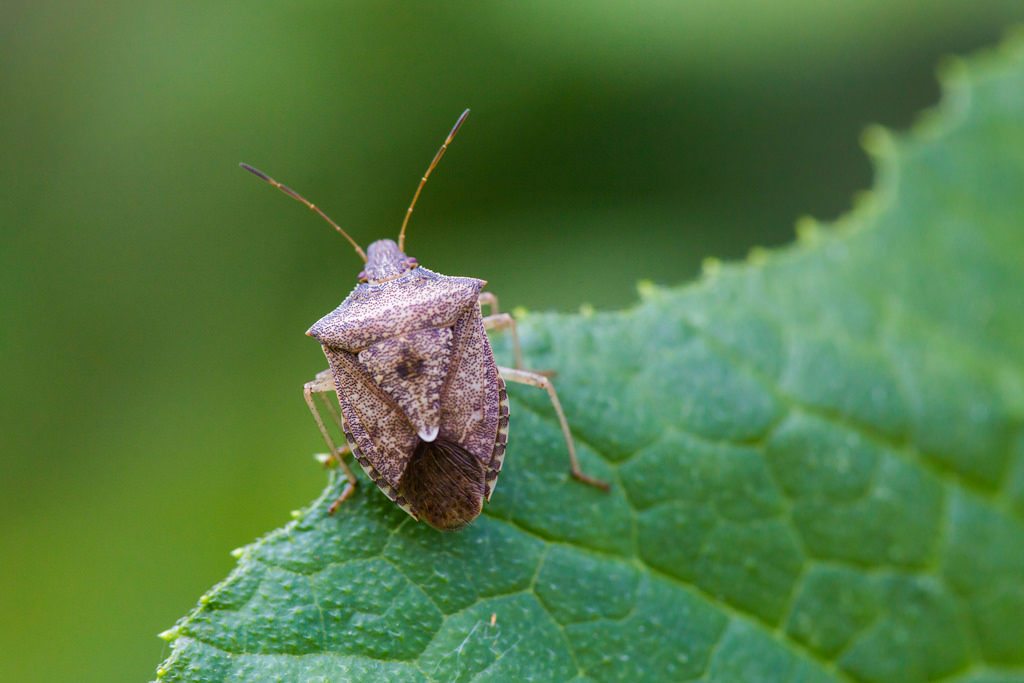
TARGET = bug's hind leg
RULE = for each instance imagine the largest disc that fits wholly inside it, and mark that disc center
(323, 384)
(540, 381)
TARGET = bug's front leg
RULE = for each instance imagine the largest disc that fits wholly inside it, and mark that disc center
(324, 384)
(489, 299)
(540, 381)
(503, 321)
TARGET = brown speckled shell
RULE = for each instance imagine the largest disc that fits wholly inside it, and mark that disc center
(473, 404)
(417, 300)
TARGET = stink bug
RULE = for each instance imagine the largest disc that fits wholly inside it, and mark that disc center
(423, 403)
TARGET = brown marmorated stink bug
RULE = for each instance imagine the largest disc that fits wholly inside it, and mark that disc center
(423, 403)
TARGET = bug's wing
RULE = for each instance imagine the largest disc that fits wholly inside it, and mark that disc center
(381, 436)
(471, 397)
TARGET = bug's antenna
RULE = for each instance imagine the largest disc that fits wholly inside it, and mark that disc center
(309, 205)
(423, 180)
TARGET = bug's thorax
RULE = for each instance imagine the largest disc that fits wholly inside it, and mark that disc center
(385, 262)
(398, 327)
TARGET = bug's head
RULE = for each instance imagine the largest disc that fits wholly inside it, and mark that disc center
(385, 261)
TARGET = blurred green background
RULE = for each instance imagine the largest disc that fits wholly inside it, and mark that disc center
(154, 297)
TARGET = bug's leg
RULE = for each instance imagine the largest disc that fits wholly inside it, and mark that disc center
(503, 321)
(335, 416)
(489, 299)
(321, 385)
(540, 381)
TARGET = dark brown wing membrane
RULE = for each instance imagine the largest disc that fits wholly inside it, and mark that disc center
(445, 484)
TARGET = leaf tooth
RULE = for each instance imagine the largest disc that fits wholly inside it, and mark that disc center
(808, 230)
(878, 142)
(711, 266)
(758, 256)
(646, 289)
(170, 634)
(953, 71)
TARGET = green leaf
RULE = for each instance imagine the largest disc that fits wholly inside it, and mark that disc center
(817, 461)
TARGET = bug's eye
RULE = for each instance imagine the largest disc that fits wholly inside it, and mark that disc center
(362, 276)
(411, 262)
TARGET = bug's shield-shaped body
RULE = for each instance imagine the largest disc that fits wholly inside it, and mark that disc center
(425, 410)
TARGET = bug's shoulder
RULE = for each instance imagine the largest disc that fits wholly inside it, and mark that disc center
(418, 299)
